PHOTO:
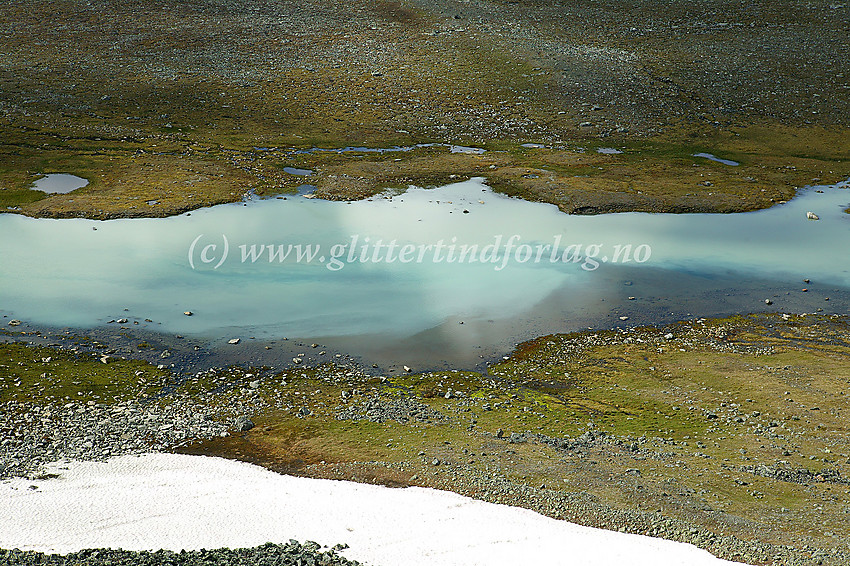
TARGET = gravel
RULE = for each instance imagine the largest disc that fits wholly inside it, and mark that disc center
(400, 409)
(36, 435)
(292, 553)
(800, 475)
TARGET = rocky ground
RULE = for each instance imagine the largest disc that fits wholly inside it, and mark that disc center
(290, 554)
(165, 107)
(729, 434)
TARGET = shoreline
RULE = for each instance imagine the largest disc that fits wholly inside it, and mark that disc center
(542, 178)
(370, 399)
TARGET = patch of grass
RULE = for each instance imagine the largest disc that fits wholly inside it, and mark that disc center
(10, 198)
(42, 375)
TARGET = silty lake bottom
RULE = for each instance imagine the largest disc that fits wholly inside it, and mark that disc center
(432, 307)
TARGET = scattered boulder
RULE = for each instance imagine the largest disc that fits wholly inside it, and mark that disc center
(243, 423)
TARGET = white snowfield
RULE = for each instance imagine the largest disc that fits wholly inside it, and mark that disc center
(190, 502)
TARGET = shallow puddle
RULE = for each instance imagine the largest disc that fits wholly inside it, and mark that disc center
(297, 171)
(711, 157)
(59, 183)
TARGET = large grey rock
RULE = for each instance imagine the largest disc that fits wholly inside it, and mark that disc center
(243, 424)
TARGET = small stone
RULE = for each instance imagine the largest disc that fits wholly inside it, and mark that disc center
(243, 423)
(188, 313)
(234, 341)
(812, 216)
(14, 323)
(768, 302)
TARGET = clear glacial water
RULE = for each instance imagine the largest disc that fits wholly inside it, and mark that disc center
(84, 273)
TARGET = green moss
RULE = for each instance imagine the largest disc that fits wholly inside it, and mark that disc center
(19, 197)
(39, 375)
